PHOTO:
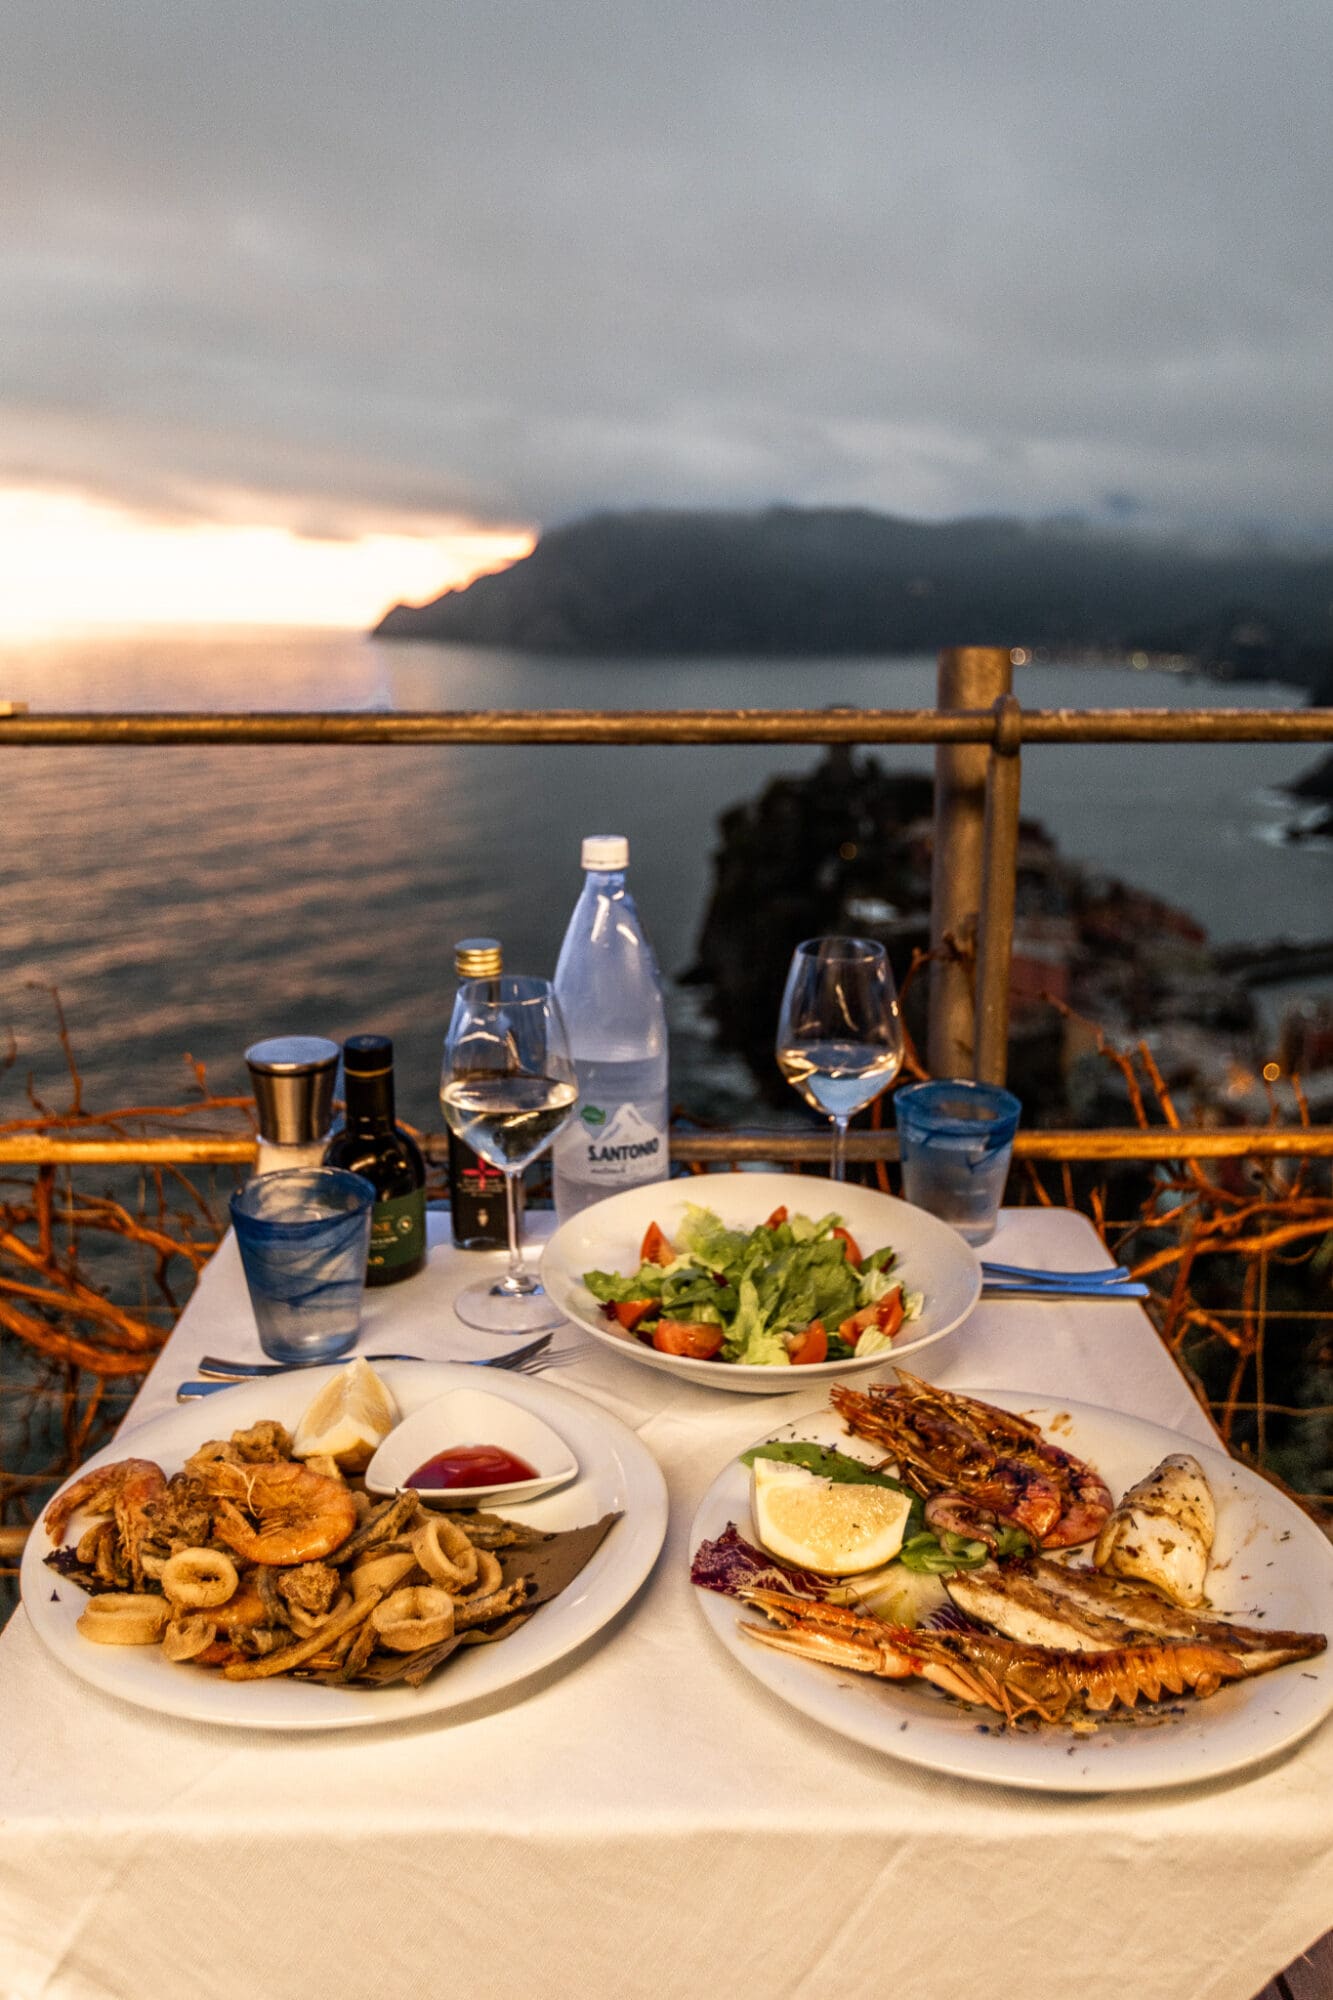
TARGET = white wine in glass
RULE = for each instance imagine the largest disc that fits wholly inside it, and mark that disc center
(506, 1087)
(840, 1035)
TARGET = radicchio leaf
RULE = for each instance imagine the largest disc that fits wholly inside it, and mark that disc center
(731, 1564)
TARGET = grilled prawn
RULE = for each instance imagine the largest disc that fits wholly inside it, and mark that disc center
(984, 1463)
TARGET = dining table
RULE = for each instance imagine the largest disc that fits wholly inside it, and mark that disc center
(642, 1817)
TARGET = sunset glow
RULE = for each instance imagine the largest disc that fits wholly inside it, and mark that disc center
(67, 563)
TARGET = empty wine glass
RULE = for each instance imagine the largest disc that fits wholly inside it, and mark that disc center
(506, 1087)
(840, 1036)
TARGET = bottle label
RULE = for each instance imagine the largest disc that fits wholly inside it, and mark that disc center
(614, 1146)
(398, 1231)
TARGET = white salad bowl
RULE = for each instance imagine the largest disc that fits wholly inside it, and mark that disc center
(471, 1416)
(931, 1259)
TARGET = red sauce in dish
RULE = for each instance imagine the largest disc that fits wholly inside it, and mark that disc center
(472, 1465)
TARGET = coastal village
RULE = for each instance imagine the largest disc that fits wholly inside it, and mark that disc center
(1092, 955)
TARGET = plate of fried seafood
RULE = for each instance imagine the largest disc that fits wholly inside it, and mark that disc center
(1025, 1592)
(213, 1575)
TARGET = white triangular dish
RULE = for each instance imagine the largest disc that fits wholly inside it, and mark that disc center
(471, 1416)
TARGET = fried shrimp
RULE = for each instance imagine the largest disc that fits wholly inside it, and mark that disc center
(278, 1513)
(124, 1489)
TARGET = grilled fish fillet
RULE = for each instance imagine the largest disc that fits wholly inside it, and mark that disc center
(1162, 1531)
(1043, 1603)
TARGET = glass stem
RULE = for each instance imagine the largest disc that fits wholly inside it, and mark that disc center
(838, 1171)
(516, 1272)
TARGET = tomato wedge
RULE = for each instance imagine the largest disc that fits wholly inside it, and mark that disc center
(655, 1247)
(630, 1311)
(698, 1339)
(887, 1315)
(777, 1218)
(811, 1345)
(851, 1249)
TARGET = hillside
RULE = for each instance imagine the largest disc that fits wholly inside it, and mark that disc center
(807, 581)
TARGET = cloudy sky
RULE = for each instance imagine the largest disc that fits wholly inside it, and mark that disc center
(375, 272)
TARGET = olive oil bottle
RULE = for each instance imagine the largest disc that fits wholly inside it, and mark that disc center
(371, 1143)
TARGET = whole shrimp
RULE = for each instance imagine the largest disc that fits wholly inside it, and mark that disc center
(127, 1489)
(280, 1513)
(985, 1463)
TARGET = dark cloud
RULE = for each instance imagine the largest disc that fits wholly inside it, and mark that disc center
(356, 263)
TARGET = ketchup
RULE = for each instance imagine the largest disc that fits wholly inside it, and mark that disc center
(472, 1465)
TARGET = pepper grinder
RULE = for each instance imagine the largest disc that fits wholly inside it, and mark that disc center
(293, 1078)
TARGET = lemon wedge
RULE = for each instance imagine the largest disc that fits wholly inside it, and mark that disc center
(825, 1524)
(349, 1418)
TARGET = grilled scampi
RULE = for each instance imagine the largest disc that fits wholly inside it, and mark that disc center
(1048, 1604)
(1049, 1683)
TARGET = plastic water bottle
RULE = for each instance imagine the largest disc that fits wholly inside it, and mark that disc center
(610, 993)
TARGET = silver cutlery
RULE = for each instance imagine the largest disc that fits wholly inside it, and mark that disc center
(243, 1371)
(531, 1359)
(1012, 1288)
(1112, 1274)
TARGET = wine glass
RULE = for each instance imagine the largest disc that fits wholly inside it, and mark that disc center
(840, 1036)
(506, 1087)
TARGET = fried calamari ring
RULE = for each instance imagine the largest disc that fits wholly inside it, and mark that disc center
(490, 1576)
(307, 1624)
(414, 1618)
(186, 1638)
(381, 1573)
(447, 1556)
(124, 1618)
(199, 1579)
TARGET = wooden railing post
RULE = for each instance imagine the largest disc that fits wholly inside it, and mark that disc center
(970, 677)
(995, 941)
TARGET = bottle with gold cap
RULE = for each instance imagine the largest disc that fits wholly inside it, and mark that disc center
(374, 1144)
(476, 1189)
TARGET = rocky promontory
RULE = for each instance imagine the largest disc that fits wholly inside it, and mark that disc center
(810, 581)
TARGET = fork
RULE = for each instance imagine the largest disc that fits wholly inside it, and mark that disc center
(529, 1360)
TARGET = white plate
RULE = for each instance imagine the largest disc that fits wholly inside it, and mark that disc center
(617, 1474)
(473, 1416)
(1271, 1566)
(932, 1258)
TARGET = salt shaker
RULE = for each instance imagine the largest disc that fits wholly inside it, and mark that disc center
(293, 1077)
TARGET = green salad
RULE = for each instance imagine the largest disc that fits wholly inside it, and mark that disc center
(788, 1293)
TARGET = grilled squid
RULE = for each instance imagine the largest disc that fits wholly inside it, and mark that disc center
(1162, 1531)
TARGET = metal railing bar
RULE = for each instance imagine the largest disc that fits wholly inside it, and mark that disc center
(666, 726)
(1128, 1142)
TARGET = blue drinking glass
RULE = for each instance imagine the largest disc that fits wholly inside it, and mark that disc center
(304, 1237)
(955, 1139)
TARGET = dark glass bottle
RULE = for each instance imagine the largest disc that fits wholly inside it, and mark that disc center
(476, 1189)
(370, 1143)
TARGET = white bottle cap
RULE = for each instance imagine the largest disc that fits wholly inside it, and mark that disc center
(606, 851)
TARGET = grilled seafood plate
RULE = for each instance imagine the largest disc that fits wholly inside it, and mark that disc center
(1043, 1638)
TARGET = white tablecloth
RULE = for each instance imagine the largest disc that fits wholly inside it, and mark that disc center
(645, 1819)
